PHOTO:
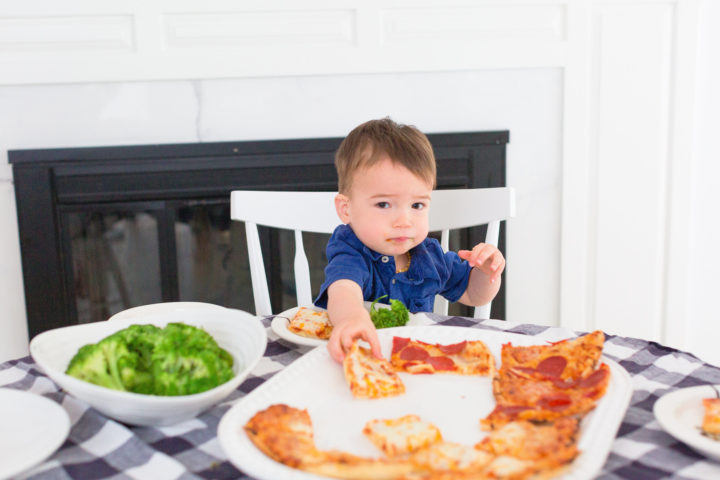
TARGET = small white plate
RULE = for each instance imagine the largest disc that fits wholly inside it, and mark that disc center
(32, 427)
(681, 413)
(281, 321)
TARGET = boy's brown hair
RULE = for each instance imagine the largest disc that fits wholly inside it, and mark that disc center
(369, 142)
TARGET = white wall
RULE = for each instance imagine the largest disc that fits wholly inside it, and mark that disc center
(534, 68)
(704, 257)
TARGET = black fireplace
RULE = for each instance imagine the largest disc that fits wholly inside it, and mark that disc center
(108, 228)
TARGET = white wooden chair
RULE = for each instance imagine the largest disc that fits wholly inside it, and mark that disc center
(315, 212)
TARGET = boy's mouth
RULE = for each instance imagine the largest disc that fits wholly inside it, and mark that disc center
(399, 239)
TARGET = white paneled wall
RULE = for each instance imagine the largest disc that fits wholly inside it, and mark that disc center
(597, 95)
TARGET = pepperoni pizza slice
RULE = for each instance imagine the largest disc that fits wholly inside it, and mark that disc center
(370, 377)
(464, 358)
(545, 382)
(571, 358)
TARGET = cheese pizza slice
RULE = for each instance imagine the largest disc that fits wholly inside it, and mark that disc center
(450, 458)
(397, 436)
(284, 434)
(711, 418)
(311, 323)
(464, 358)
(370, 377)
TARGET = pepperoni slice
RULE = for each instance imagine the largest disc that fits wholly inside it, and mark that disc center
(555, 401)
(594, 378)
(452, 349)
(414, 353)
(441, 363)
(552, 366)
(399, 343)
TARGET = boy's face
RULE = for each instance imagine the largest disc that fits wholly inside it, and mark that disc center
(387, 207)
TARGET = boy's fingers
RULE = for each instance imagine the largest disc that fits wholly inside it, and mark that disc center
(335, 351)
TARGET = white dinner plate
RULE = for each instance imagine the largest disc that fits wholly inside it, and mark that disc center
(454, 403)
(32, 427)
(281, 321)
(681, 412)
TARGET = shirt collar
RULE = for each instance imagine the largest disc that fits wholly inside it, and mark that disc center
(421, 268)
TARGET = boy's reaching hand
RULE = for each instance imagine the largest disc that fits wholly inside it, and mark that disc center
(487, 258)
(344, 334)
(350, 319)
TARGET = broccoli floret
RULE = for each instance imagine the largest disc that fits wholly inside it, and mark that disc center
(188, 360)
(103, 363)
(177, 360)
(395, 316)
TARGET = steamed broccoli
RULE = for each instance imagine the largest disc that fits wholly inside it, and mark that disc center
(176, 360)
(187, 360)
(395, 316)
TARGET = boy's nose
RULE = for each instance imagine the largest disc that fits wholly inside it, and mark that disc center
(402, 219)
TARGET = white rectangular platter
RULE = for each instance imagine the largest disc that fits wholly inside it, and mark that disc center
(452, 402)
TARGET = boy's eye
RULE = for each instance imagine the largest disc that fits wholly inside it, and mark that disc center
(382, 205)
(418, 205)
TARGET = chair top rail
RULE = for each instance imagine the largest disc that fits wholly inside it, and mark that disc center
(288, 210)
(451, 209)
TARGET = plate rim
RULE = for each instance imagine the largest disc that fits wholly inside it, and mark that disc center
(229, 423)
(52, 446)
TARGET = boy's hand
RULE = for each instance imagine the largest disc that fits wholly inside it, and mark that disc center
(487, 258)
(344, 334)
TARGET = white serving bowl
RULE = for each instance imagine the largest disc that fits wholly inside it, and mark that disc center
(240, 333)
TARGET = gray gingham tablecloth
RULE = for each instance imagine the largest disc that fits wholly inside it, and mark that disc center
(98, 447)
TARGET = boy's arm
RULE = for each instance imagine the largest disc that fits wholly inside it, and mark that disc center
(349, 318)
(488, 264)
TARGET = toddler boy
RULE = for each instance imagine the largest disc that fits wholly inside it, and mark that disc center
(386, 174)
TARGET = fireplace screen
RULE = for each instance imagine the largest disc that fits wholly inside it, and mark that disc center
(109, 228)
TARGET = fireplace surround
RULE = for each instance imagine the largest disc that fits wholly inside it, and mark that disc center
(103, 229)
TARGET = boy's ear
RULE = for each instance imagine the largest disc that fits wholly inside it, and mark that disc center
(342, 207)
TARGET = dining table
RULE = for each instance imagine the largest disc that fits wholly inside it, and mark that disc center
(98, 447)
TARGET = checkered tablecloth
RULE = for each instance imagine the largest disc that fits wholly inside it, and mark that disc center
(98, 447)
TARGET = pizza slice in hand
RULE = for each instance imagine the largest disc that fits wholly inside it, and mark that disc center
(368, 376)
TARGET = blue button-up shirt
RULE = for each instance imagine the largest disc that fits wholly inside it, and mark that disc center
(432, 271)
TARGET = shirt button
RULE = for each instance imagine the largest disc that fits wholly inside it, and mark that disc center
(393, 281)
(384, 259)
